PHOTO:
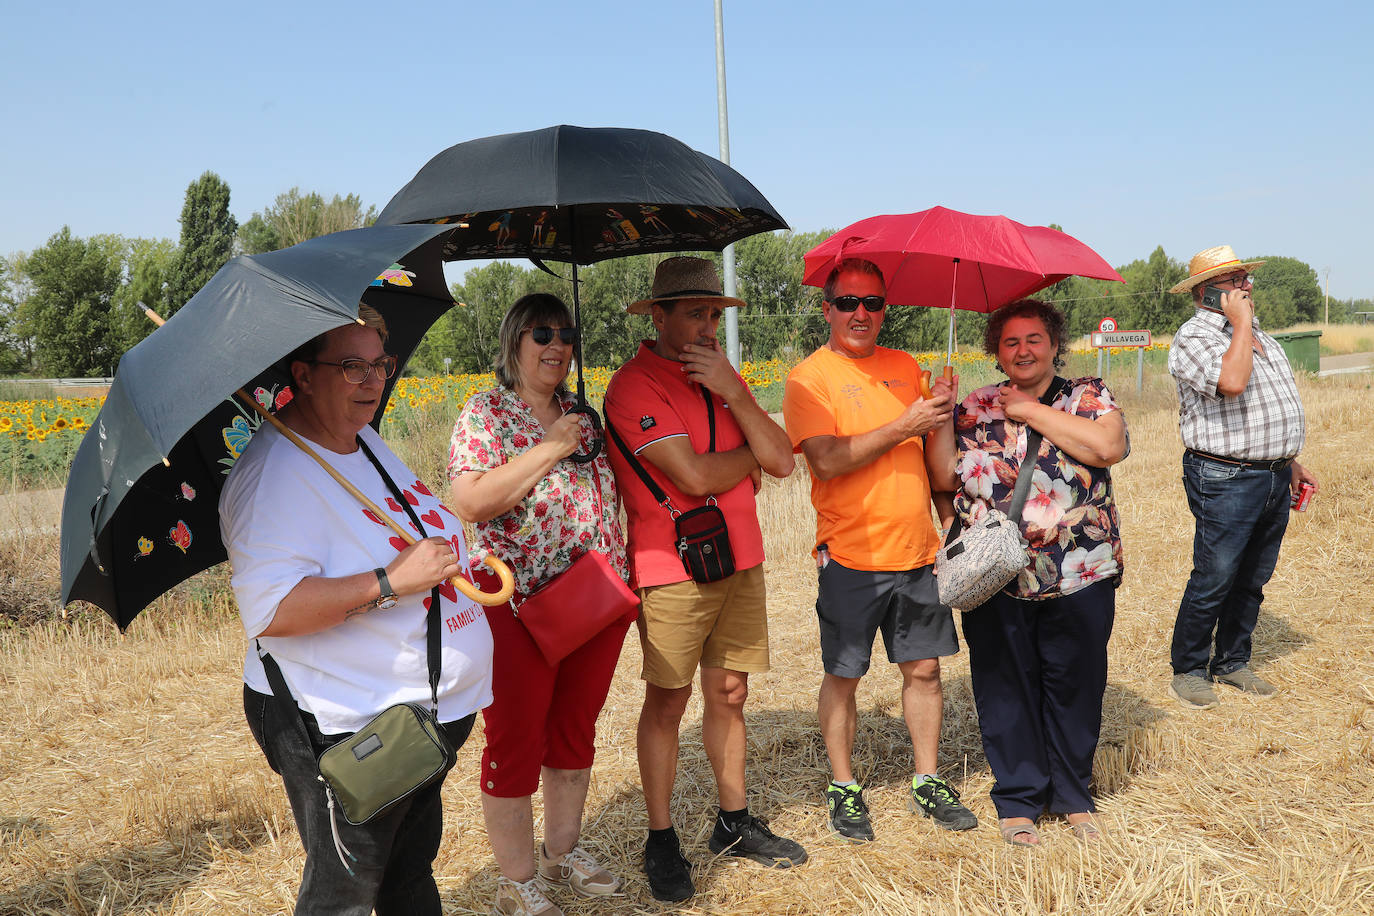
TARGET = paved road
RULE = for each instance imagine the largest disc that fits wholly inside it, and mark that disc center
(1350, 362)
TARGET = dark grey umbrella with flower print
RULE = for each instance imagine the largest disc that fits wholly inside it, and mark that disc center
(141, 511)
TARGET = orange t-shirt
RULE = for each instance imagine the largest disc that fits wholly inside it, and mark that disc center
(876, 517)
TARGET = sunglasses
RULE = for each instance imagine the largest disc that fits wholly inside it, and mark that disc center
(356, 371)
(543, 335)
(852, 303)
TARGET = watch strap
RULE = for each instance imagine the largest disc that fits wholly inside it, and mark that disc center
(387, 590)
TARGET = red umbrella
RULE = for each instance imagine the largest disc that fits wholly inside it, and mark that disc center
(940, 257)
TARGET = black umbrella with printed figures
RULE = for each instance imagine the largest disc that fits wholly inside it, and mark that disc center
(140, 513)
(581, 195)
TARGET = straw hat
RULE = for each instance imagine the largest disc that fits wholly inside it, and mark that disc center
(686, 279)
(1211, 263)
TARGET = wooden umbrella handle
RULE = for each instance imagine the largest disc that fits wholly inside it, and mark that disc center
(487, 599)
(502, 571)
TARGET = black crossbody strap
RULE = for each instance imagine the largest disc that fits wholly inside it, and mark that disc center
(286, 704)
(710, 418)
(433, 657)
(1033, 438)
(655, 490)
(1023, 474)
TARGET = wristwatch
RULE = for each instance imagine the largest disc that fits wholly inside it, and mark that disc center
(388, 597)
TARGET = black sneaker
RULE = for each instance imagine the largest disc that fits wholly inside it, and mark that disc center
(937, 800)
(848, 813)
(755, 841)
(670, 874)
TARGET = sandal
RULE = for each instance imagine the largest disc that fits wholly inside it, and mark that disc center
(1020, 834)
(1086, 831)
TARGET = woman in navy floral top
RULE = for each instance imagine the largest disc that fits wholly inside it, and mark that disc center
(1038, 649)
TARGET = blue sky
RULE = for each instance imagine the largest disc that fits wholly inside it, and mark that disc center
(1131, 125)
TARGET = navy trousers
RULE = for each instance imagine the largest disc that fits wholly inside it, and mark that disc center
(1039, 671)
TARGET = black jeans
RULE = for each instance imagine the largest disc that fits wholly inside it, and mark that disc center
(395, 852)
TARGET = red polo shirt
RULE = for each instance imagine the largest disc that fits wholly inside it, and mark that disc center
(650, 399)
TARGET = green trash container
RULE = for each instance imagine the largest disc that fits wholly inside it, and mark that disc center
(1303, 349)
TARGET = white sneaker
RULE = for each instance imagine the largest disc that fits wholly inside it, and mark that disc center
(522, 898)
(579, 871)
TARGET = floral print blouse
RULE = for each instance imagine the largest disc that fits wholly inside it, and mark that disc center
(1070, 517)
(562, 517)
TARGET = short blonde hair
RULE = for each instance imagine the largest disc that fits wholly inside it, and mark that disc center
(528, 311)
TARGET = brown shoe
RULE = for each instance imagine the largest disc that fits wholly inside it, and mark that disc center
(1247, 681)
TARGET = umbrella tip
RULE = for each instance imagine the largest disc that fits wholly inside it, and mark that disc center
(361, 322)
(165, 462)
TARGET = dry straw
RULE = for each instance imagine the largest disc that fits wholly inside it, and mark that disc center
(129, 782)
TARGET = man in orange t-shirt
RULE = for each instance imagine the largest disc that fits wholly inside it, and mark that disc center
(854, 409)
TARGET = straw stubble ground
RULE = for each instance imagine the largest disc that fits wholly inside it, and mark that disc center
(129, 782)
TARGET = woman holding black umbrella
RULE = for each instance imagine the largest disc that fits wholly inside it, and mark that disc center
(539, 512)
(341, 614)
(1038, 649)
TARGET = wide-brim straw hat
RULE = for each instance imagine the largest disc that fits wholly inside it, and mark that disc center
(684, 279)
(1211, 263)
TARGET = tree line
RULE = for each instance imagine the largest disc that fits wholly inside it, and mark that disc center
(71, 307)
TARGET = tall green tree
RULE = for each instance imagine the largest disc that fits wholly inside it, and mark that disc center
(783, 317)
(207, 239)
(295, 217)
(68, 312)
(148, 266)
(1286, 292)
(1150, 305)
(16, 347)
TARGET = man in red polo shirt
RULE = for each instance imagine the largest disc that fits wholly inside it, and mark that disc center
(692, 425)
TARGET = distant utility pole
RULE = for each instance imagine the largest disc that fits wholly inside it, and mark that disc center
(732, 313)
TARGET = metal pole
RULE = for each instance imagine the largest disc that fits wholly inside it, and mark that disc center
(732, 313)
(1099, 362)
(1139, 369)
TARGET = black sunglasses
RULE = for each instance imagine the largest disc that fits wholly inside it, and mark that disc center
(543, 335)
(852, 303)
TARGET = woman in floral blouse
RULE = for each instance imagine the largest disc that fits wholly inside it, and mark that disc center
(538, 512)
(1038, 649)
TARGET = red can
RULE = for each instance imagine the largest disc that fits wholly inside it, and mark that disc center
(1303, 497)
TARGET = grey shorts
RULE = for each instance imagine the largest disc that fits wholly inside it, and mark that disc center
(853, 604)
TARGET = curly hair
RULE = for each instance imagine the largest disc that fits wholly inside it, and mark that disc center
(1045, 312)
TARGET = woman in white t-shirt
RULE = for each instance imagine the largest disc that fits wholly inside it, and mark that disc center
(340, 604)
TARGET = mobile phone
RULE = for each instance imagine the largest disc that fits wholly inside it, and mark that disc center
(1211, 297)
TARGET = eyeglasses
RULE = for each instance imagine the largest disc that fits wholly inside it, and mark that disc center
(852, 303)
(543, 335)
(1239, 282)
(356, 371)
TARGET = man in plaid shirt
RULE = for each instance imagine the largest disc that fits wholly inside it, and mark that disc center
(1242, 425)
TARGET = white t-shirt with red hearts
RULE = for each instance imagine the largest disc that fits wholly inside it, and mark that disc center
(284, 519)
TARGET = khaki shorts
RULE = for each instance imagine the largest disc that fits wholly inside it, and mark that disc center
(715, 625)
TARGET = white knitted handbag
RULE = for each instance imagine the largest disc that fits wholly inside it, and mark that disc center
(981, 560)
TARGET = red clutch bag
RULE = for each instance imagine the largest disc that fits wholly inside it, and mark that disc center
(571, 608)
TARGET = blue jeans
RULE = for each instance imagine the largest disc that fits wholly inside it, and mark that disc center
(395, 851)
(1241, 516)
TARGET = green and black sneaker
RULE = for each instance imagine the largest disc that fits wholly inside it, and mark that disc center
(937, 800)
(848, 813)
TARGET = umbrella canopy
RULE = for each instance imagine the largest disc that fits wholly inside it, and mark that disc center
(942, 257)
(581, 195)
(140, 513)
